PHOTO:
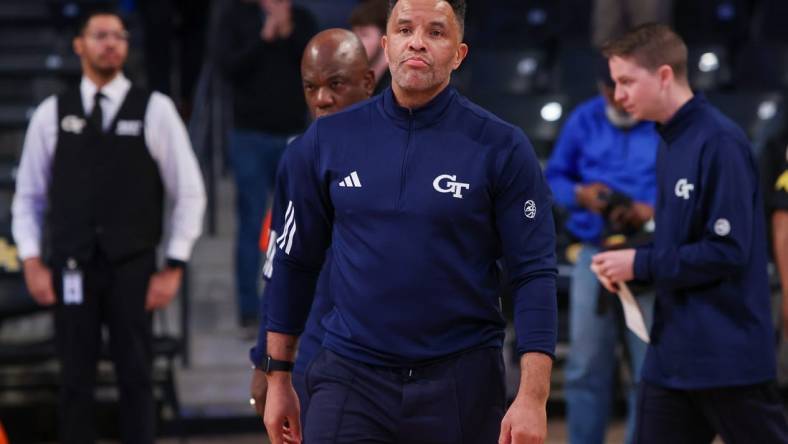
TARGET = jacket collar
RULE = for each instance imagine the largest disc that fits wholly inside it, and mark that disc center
(421, 117)
(671, 130)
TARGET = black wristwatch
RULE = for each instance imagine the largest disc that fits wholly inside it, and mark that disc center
(272, 365)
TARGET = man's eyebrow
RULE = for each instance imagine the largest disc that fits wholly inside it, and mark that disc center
(404, 21)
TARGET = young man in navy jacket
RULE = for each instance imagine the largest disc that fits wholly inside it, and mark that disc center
(418, 192)
(601, 150)
(711, 363)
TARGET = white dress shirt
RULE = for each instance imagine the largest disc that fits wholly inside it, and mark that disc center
(167, 141)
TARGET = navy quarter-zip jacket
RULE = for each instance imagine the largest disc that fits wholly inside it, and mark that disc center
(712, 319)
(416, 207)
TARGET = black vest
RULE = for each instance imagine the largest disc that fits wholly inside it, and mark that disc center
(106, 192)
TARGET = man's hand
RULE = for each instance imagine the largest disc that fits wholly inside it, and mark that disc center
(258, 391)
(524, 423)
(526, 420)
(162, 288)
(282, 416)
(615, 266)
(278, 19)
(588, 196)
(38, 278)
(269, 31)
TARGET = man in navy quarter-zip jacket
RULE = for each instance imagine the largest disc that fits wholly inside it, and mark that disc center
(336, 74)
(418, 192)
(710, 366)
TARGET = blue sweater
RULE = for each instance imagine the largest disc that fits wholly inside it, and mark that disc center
(416, 207)
(590, 149)
(712, 320)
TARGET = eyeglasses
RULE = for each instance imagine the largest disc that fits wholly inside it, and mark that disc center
(102, 36)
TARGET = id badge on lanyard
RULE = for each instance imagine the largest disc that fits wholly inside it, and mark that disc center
(72, 283)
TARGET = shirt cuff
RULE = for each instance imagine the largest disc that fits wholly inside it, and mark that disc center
(26, 250)
(180, 249)
(642, 265)
(549, 353)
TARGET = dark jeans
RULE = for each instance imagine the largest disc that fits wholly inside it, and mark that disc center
(458, 400)
(746, 414)
(114, 295)
(255, 157)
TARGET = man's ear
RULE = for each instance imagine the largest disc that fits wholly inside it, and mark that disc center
(666, 75)
(369, 82)
(77, 45)
(462, 53)
(384, 42)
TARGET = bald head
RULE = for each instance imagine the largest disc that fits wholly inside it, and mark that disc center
(335, 72)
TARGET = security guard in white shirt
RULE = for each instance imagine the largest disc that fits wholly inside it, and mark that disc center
(97, 164)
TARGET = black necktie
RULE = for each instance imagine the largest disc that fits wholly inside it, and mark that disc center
(97, 116)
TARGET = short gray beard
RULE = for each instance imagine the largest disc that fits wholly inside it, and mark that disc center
(620, 119)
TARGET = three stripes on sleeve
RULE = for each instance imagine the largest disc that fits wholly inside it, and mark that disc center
(285, 241)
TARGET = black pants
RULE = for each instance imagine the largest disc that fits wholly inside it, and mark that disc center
(746, 414)
(114, 295)
(457, 401)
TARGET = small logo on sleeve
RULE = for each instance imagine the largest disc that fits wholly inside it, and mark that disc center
(683, 188)
(529, 209)
(722, 227)
(447, 183)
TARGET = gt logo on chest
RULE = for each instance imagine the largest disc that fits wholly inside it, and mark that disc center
(447, 183)
(683, 188)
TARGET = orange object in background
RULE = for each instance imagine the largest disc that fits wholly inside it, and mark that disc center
(3, 436)
(265, 233)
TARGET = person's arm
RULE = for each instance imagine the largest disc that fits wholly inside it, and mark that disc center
(259, 384)
(780, 245)
(523, 210)
(30, 199)
(561, 171)
(171, 149)
(301, 247)
(563, 174)
(727, 198)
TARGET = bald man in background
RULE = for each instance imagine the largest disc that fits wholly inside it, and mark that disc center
(335, 73)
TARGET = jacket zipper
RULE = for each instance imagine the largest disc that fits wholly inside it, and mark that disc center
(404, 170)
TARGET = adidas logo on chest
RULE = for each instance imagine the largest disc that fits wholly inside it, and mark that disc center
(351, 181)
